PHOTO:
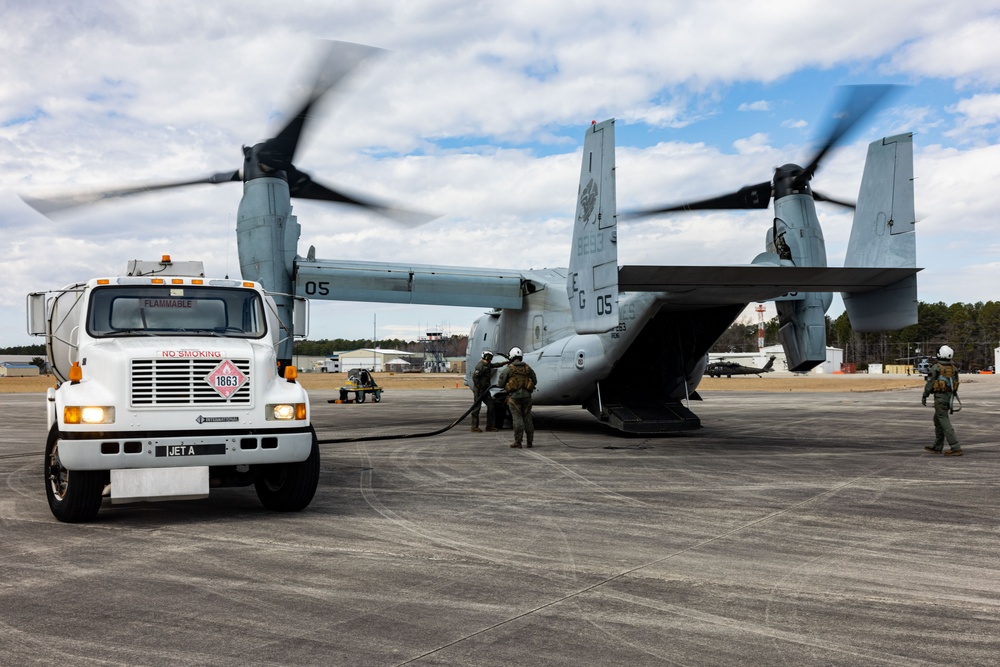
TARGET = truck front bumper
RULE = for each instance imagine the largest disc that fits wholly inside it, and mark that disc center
(115, 451)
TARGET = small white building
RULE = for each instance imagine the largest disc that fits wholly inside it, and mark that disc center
(17, 369)
(834, 359)
(376, 360)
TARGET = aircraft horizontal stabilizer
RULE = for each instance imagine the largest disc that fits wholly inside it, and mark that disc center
(883, 235)
(719, 285)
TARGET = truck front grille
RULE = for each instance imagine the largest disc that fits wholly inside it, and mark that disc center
(163, 382)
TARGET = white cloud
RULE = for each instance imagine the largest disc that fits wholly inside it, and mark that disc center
(756, 143)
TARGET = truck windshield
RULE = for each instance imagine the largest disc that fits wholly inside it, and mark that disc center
(171, 310)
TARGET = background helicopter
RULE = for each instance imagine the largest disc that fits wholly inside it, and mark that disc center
(921, 365)
(629, 343)
(717, 369)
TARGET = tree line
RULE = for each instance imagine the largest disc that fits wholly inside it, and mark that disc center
(24, 349)
(971, 329)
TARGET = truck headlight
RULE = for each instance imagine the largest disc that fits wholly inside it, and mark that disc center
(286, 411)
(89, 414)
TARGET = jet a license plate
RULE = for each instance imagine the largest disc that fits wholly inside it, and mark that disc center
(190, 450)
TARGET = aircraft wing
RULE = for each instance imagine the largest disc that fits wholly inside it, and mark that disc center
(342, 280)
(721, 285)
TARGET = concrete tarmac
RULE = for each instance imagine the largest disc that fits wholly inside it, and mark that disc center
(798, 529)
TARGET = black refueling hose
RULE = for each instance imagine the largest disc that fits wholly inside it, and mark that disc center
(403, 436)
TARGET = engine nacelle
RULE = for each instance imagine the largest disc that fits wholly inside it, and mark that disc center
(802, 325)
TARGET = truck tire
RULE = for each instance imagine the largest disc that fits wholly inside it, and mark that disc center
(74, 496)
(289, 487)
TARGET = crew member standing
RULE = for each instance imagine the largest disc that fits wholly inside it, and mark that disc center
(481, 377)
(943, 383)
(519, 380)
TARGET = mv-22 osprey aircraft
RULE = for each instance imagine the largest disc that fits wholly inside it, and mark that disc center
(629, 343)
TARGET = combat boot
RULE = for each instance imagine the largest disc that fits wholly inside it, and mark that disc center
(515, 445)
(953, 452)
(490, 429)
(932, 450)
(476, 429)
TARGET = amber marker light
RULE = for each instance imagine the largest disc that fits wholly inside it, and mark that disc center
(71, 414)
(291, 373)
(75, 372)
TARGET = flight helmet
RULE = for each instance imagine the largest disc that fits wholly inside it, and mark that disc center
(487, 355)
(946, 353)
(515, 353)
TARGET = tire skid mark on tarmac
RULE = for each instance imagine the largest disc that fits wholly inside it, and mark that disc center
(16, 480)
(568, 472)
(74, 650)
(760, 629)
(827, 493)
(901, 478)
(477, 551)
(234, 587)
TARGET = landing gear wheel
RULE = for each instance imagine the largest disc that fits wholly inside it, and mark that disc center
(74, 497)
(377, 396)
(289, 487)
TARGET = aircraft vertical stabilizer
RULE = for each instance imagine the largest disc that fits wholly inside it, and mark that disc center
(592, 283)
(883, 236)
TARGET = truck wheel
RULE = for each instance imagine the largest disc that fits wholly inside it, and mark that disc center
(74, 497)
(289, 487)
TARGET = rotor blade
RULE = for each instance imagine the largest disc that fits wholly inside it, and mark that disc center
(302, 186)
(54, 204)
(337, 60)
(839, 202)
(857, 102)
(748, 197)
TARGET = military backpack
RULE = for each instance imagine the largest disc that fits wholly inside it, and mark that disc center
(947, 379)
(519, 378)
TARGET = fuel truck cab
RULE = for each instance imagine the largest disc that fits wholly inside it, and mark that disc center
(168, 384)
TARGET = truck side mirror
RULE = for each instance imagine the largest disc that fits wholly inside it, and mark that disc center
(300, 317)
(36, 314)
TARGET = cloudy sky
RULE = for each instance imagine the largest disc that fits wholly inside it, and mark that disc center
(477, 111)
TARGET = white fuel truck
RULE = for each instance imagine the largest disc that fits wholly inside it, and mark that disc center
(168, 385)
